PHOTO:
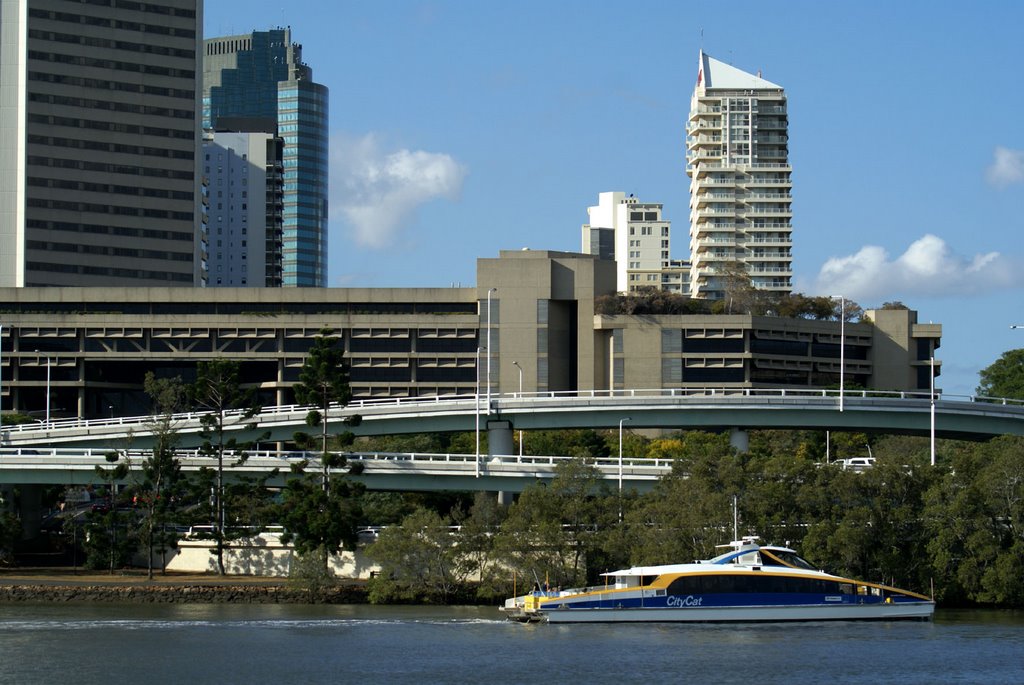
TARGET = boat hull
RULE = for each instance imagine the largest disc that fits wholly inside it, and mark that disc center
(741, 614)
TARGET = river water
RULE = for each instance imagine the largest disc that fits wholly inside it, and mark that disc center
(111, 644)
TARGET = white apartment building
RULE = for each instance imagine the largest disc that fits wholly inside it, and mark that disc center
(637, 237)
(740, 181)
(244, 175)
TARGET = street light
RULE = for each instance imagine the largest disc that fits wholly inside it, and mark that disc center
(477, 412)
(931, 364)
(621, 421)
(842, 345)
(47, 385)
(489, 291)
(516, 364)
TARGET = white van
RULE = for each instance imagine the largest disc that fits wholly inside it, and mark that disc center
(857, 463)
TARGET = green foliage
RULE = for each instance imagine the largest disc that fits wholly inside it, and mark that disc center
(110, 541)
(160, 492)
(10, 533)
(975, 517)
(650, 301)
(317, 519)
(218, 391)
(1004, 377)
(706, 475)
(419, 559)
(324, 377)
(553, 527)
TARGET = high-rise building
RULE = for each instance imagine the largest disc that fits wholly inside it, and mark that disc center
(738, 164)
(637, 237)
(99, 131)
(261, 74)
(243, 170)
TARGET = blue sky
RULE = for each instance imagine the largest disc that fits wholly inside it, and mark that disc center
(460, 128)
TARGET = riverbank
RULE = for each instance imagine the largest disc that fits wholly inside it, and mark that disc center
(63, 585)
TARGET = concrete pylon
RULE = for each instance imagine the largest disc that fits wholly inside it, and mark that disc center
(739, 439)
(499, 438)
(500, 442)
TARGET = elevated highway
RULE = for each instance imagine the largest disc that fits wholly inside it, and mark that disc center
(381, 470)
(706, 409)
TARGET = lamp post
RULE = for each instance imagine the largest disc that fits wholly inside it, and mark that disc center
(489, 291)
(520, 369)
(477, 412)
(931, 396)
(842, 346)
(621, 421)
(47, 385)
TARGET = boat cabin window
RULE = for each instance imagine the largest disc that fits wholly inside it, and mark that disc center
(778, 557)
(746, 583)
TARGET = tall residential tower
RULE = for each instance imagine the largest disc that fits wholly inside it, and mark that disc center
(99, 132)
(261, 75)
(738, 164)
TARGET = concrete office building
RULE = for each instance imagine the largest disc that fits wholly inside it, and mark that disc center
(740, 181)
(637, 237)
(243, 170)
(262, 75)
(89, 349)
(99, 130)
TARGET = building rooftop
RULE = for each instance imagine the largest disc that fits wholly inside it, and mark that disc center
(719, 75)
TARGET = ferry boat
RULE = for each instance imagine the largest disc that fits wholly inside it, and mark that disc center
(749, 582)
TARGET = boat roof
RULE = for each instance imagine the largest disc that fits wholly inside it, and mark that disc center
(738, 548)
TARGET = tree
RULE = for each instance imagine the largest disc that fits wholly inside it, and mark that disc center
(10, 533)
(219, 391)
(419, 559)
(320, 513)
(1004, 377)
(323, 383)
(159, 494)
(109, 541)
(688, 511)
(320, 521)
(552, 528)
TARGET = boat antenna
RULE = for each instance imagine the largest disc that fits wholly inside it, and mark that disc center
(735, 518)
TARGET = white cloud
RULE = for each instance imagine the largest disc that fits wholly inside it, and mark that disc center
(1007, 167)
(927, 268)
(377, 192)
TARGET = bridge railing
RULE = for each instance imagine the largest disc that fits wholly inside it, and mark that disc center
(510, 400)
(90, 453)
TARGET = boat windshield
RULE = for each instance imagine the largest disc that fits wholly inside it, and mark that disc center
(785, 558)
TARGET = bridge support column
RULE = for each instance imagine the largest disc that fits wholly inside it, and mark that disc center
(500, 442)
(499, 438)
(739, 439)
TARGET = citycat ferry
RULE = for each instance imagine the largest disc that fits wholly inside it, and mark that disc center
(749, 582)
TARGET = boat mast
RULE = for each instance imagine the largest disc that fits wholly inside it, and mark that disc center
(735, 519)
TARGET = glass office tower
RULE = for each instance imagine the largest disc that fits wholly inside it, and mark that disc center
(261, 75)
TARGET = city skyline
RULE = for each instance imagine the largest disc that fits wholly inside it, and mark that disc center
(262, 75)
(479, 128)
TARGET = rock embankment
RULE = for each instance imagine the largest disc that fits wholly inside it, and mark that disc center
(235, 593)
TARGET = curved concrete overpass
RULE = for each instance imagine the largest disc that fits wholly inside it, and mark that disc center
(707, 409)
(381, 470)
